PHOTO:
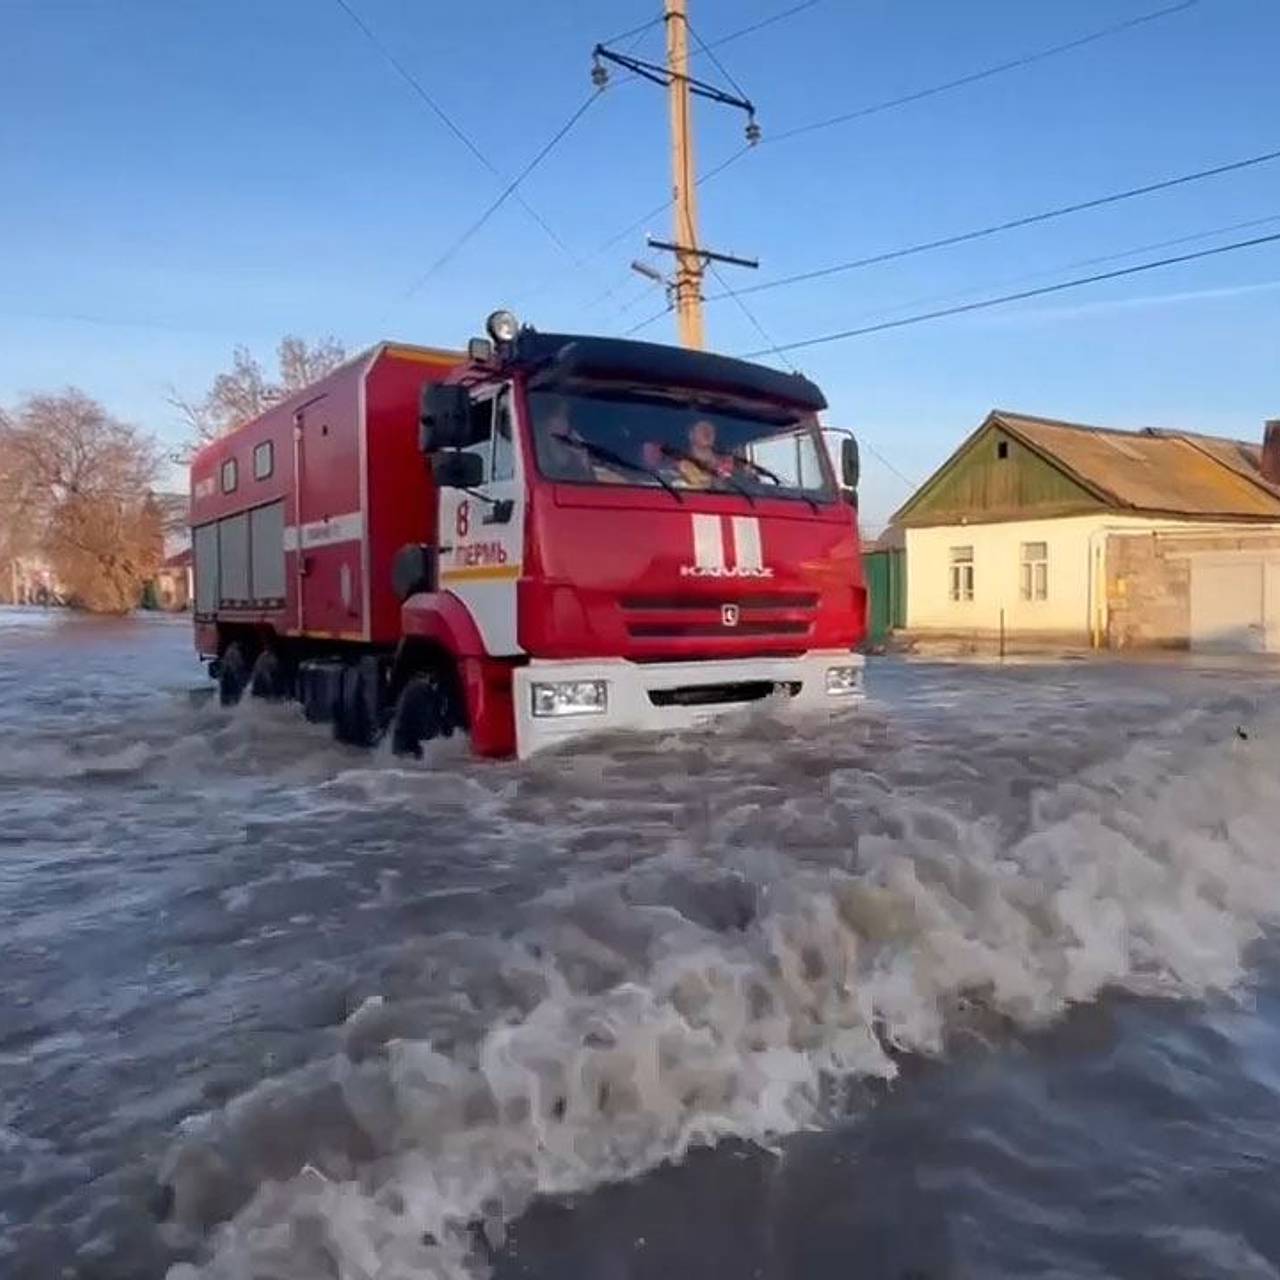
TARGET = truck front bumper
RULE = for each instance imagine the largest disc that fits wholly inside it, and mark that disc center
(658, 696)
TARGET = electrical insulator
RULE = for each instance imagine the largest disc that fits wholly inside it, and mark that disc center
(599, 75)
(753, 132)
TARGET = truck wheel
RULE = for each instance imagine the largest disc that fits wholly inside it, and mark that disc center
(357, 719)
(425, 711)
(233, 674)
(268, 679)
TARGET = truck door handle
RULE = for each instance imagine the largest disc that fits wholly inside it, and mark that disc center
(500, 512)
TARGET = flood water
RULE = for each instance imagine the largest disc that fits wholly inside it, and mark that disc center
(978, 980)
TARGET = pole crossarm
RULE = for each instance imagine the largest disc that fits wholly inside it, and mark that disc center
(662, 75)
(707, 255)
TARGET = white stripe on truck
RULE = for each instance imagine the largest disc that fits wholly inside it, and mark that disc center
(746, 542)
(708, 542)
(324, 533)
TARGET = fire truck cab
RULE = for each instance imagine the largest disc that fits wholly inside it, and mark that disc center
(545, 536)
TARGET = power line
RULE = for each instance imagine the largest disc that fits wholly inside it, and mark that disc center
(754, 320)
(1011, 224)
(775, 349)
(764, 22)
(636, 31)
(905, 99)
(1018, 297)
(645, 219)
(999, 68)
(503, 195)
(644, 324)
(719, 66)
(658, 210)
(441, 114)
(1093, 261)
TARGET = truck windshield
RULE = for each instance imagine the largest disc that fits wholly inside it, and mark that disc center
(634, 440)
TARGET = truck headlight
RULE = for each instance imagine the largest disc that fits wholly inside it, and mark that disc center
(842, 681)
(571, 698)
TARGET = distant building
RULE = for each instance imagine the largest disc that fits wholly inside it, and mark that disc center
(171, 588)
(1062, 534)
(29, 580)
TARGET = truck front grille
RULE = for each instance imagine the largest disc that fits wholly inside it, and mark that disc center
(652, 630)
(747, 603)
(710, 695)
(692, 617)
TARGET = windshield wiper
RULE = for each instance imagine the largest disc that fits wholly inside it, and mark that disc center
(672, 452)
(758, 469)
(774, 476)
(606, 454)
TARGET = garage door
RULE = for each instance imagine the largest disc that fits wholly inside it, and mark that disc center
(1228, 604)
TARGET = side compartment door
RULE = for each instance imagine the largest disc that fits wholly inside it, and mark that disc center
(482, 532)
(328, 524)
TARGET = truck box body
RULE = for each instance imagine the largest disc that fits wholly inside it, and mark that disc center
(313, 558)
(631, 577)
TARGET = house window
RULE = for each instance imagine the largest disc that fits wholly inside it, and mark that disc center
(229, 476)
(962, 573)
(264, 460)
(1035, 570)
(1002, 448)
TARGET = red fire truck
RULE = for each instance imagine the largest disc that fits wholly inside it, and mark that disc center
(538, 537)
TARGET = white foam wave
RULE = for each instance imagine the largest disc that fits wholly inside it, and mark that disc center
(730, 993)
(48, 761)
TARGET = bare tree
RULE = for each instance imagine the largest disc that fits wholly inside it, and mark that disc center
(17, 536)
(82, 481)
(246, 390)
(301, 365)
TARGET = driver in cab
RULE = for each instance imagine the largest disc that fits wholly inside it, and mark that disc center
(567, 455)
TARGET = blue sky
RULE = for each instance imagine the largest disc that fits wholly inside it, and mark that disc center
(179, 178)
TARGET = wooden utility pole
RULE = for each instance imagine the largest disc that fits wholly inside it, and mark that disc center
(690, 265)
(691, 258)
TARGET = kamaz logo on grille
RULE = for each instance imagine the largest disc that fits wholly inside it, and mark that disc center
(729, 615)
(709, 544)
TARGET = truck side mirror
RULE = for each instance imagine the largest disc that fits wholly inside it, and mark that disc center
(444, 417)
(850, 464)
(454, 469)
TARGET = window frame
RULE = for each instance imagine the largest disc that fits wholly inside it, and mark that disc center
(230, 466)
(270, 454)
(961, 576)
(1033, 572)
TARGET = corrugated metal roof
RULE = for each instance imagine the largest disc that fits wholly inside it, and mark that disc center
(1169, 472)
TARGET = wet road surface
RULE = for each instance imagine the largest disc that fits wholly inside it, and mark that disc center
(976, 980)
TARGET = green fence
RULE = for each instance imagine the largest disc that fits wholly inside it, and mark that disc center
(886, 576)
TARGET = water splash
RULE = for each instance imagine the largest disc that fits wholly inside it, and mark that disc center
(782, 942)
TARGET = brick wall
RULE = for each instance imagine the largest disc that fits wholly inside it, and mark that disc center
(1149, 583)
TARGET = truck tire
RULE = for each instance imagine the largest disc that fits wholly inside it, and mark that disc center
(426, 710)
(358, 716)
(233, 674)
(268, 677)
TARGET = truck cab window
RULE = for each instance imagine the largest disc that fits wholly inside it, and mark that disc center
(597, 437)
(480, 433)
(504, 452)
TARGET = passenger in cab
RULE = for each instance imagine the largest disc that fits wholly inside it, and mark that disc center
(703, 465)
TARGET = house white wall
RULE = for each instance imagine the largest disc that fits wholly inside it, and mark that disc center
(1076, 546)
